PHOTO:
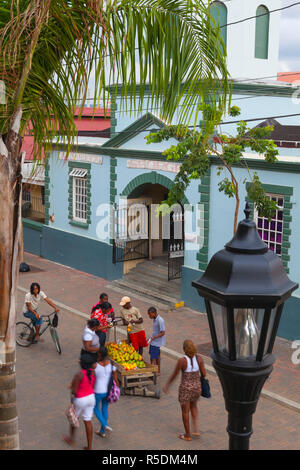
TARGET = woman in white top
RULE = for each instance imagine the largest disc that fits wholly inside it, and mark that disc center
(103, 372)
(191, 365)
(90, 340)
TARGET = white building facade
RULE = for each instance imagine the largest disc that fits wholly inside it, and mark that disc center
(253, 44)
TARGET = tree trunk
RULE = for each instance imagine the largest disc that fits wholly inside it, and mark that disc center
(10, 229)
(236, 212)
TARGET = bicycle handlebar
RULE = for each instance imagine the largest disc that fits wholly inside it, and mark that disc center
(50, 315)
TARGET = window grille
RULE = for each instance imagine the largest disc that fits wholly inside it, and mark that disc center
(271, 232)
(79, 195)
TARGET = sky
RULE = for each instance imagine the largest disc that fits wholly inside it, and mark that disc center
(289, 49)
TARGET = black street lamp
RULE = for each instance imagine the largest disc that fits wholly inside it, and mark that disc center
(244, 287)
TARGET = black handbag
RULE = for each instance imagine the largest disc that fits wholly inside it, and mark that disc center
(205, 387)
(55, 320)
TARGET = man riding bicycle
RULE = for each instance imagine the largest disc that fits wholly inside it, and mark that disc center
(32, 300)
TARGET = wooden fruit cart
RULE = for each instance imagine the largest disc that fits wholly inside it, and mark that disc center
(135, 382)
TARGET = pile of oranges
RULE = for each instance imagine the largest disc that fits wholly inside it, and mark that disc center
(125, 355)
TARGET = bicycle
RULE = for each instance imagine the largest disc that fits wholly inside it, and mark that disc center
(25, 332)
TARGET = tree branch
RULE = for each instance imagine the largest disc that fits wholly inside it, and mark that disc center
(236, 185)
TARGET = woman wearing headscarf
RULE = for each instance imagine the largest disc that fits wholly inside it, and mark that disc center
(191, 366)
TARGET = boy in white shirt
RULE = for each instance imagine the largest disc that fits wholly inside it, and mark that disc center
(32, 300)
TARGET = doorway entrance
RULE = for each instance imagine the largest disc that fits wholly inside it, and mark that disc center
(140, 233)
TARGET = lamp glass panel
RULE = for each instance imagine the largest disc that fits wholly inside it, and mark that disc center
(270, 329)
(247, 327)
(220, 320)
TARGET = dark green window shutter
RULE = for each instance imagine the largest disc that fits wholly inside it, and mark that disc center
(219, 13)
(262, 33)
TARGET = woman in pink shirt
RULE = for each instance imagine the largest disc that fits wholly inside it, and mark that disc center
(82, 387)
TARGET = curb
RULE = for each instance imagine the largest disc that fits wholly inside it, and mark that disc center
(285, 402)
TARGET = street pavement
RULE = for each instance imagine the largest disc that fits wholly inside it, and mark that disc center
(138, 422)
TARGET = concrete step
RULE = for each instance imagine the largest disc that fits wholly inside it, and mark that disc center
(157, 262)
(148, 266)
(140, 296)
(151, 275)
(151, 281)
(129, 287)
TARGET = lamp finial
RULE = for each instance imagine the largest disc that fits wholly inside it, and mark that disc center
(247, 211)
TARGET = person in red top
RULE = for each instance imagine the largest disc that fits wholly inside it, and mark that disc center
(101, 313)
(102, 299)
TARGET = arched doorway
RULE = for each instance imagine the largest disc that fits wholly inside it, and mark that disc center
(142, 235)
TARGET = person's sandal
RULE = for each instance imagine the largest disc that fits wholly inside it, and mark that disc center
(68, 440)
(100, 434)
(39, 340)
(182, 436)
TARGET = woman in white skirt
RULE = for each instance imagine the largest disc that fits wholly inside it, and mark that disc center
(82, 387)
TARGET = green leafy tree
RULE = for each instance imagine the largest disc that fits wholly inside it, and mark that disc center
(194, 150)
(49, 50)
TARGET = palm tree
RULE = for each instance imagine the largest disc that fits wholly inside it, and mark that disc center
(49, 49)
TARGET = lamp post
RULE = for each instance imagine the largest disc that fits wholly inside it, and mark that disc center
(244, 287)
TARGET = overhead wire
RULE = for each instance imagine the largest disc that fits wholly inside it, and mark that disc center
(248, 18)
(234, 81)
(265, 118)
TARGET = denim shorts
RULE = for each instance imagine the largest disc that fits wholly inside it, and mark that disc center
(32, 317)
(154, 352)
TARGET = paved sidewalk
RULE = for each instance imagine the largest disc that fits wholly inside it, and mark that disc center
(137, 422)
(80, 291)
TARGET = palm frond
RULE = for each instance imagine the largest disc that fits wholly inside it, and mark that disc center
(164, 52)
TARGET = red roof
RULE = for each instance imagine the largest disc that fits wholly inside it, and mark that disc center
(92, 122)
(288, 77)
(88, 112)
(27, 146)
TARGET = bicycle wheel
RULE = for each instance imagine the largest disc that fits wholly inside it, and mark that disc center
(24, 334)
(54, 336)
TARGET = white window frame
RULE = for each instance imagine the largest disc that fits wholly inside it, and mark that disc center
(269, 242)
(79, 175)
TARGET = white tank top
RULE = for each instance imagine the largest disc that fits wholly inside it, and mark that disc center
(190, 367)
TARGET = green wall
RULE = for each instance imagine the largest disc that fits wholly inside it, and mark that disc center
(82, 253)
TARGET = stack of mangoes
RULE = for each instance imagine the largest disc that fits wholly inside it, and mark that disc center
(126, 356)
